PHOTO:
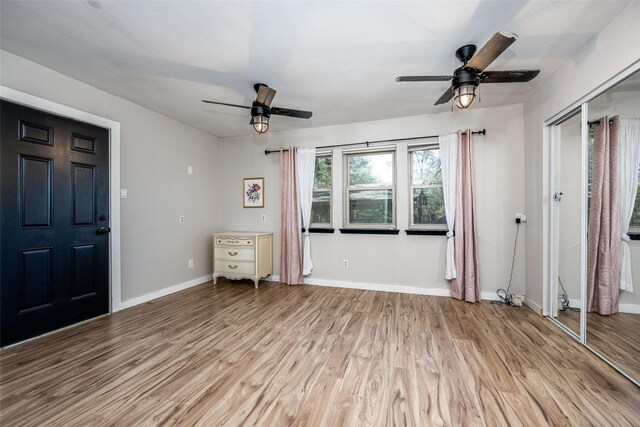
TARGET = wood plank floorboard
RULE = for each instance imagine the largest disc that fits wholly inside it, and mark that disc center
(617, 337)
(229, 354)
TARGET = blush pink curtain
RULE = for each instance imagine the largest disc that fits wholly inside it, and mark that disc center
(290, 259)
(466, 285)
(604, 246)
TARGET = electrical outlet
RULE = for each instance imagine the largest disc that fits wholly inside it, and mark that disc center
(181, 219)
(263, 218)
(520, 217)
(345, 263)
(190, 264)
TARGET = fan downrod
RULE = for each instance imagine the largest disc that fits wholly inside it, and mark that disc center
(466, 52)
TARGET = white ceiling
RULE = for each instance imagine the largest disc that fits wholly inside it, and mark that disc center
(338, 59)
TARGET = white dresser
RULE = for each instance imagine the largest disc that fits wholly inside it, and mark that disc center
(242, 255)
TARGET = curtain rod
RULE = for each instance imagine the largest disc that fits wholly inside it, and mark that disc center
(478, 132)
(597, 122)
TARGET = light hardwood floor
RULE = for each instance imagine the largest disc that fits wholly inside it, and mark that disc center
(616, 337)
(311, 356)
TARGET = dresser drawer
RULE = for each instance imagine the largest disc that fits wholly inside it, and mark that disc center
(224, 266)
(235, 254)
(234, 241)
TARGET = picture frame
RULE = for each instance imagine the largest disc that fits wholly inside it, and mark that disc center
(253, 192)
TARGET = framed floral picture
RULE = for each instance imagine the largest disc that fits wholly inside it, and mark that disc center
(253, 193)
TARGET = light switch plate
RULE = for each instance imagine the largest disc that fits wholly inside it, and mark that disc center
(123, 193)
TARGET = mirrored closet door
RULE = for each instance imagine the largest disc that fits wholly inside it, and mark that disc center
(595, 279)
(613, 267)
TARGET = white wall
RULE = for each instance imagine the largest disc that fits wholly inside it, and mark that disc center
(155, 152)
(615, 48)
(411, 261)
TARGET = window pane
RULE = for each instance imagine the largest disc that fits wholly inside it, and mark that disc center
(635, 216)
(321, 207)
(425, 167)
(371, 206)
(323, 172)
(428, 206)
(371, 169)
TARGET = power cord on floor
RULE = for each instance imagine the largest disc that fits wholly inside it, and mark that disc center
(504, 295)
(564, 299)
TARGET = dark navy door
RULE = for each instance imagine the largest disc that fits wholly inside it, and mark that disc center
(54, 222)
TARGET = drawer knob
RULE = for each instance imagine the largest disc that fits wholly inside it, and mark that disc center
(233, 267)
(233, 253)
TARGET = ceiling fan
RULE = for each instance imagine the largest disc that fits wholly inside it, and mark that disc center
(261, 109)
(465, 79)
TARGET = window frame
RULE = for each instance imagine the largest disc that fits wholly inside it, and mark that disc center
(410, 149)
(329, 225)
(347, 188)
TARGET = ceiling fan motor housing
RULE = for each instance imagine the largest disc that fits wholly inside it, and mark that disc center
(465, 76)
(260, 110)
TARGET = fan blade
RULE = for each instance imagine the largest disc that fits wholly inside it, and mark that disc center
(291, 113)
(446, 97)
(265, 95)
(423, 78)
(515, 76)
(491, 50)
(228, 105)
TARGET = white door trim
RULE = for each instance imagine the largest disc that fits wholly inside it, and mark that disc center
(115, 275)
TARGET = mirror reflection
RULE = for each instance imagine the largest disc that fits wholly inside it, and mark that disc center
(569, 188)
(613, 245)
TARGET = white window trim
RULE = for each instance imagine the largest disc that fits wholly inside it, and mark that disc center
(359, 151)
(412, 225)
(329, 189)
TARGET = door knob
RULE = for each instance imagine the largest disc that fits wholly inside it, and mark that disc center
(103, 230)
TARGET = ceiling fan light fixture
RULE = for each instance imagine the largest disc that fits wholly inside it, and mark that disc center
(260, 115)
(260, 123)
(464, 95)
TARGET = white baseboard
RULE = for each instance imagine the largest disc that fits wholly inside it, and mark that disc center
(622, 308)
(629, 308)
(533, 305)
(163, 292)
(382, 287)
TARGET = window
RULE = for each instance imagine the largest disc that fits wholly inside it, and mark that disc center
(427, 198)
(322, 183)
(634, 224)
(370, 189)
